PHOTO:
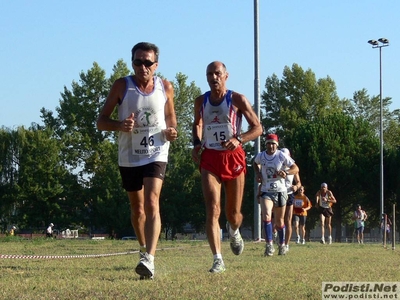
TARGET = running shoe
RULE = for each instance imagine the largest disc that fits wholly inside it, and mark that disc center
(330, 240)
(269, 250)
(303, 241)
(144, 277)
(218, 266)
(298, 240)
(282, 250)
(276, 237)
(322, 240)
(145, 267)
(236, 241)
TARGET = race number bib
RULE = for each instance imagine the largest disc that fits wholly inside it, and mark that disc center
(216, 134)
(298, 203)
(147, 140)
(324, 202)
(272, 186)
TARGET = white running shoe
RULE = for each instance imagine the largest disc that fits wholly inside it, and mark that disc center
(298, 240)
(218, 266)
(330, 240)
(145, 267)
(322, 240)
(282, 250)
(303, 241)
(236, 241)
(269, 250)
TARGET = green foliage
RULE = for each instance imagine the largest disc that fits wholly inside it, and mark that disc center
(298, 97)
(66, 171)
(339, 150)
(181, 200)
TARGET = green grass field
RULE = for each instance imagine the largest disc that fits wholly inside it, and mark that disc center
(182, 270)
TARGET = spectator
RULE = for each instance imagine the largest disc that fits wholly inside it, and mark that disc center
(49, 230)
(360, 216)
(12, 230)
(388, 227)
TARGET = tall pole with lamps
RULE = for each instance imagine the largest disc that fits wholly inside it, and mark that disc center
(382, 42)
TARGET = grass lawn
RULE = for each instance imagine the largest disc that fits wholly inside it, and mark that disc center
(182, 270)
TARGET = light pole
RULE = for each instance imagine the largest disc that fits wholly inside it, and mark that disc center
(382, 42)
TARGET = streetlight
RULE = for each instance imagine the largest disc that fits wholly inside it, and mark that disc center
(382, 42)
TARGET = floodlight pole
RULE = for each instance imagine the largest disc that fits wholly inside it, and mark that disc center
(382, 42)
(257, 212)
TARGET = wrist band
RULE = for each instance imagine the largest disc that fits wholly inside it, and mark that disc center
(196, 142)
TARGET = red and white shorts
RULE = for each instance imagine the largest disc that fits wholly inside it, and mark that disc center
(226, 165)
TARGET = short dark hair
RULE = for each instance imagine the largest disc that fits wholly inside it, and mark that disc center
(145, 46)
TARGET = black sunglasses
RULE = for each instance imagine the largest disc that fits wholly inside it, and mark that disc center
(147, 63)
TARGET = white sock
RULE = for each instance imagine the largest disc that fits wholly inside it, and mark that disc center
(151, 257)
(233, 232)
(218, 256)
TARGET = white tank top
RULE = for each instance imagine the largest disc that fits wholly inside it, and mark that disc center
(221, 122)
(145, 144)
(270, 166)
(324, 200)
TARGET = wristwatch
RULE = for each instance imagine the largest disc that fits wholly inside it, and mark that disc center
(239, 138)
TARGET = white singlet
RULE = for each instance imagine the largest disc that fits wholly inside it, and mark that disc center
(221, 122)
(270, 166)
(145, 144)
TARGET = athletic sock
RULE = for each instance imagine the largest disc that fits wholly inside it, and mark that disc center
(233, 232)
(218, 256)
(268, 230)
(281, 234)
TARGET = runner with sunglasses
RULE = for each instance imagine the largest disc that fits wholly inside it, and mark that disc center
(146, 124)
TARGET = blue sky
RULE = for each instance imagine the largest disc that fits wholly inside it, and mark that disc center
(46, 44)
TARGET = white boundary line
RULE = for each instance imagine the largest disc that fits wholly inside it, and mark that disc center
(7, 256)
(16, 256)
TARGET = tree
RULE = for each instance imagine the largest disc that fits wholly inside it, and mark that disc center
(339, 150)
(368, 108)
(181, 198)
(85, 146)
(39, 177)
(298, 96)
(9, 152)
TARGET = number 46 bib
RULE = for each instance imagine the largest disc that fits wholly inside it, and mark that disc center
(147, 140)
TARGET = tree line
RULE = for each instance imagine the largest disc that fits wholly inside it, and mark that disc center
(65, 171)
